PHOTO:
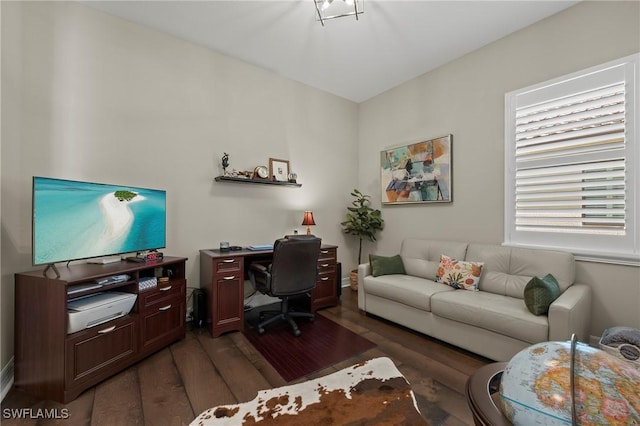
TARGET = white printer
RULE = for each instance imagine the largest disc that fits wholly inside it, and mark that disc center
(94, 309)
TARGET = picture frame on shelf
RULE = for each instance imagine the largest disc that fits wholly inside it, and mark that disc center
(417, 173)
(279, 169)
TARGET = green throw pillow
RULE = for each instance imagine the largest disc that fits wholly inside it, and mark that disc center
(385, 265)
(539, 293)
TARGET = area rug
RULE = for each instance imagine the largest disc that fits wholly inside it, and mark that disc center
(370, 393)
(321, 344)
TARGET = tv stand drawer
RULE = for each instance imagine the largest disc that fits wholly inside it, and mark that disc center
(150, 298)
(98, 352)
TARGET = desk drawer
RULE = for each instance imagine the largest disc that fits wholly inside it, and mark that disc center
(327, 262)
(327, 255)
(325, 293)
(326, 268)
(228, 264)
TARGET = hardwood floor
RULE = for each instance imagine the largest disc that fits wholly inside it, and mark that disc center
(174, 385)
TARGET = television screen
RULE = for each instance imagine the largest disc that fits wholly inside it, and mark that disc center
(79, 220)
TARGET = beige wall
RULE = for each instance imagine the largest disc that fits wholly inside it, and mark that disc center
(91, 97)
(466, 98)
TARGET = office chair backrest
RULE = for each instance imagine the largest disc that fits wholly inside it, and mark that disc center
(294, 269)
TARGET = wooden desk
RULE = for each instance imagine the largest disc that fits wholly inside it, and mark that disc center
(222, 276)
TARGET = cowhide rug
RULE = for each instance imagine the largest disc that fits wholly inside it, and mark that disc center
(373, 392)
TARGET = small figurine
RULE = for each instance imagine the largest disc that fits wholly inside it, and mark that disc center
(225, 163)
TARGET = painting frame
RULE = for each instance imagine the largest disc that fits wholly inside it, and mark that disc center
(279, 170)
(418, 172)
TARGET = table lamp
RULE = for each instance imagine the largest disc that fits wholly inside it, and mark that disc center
(308, 221)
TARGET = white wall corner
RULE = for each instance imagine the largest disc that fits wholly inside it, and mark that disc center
(594, 341)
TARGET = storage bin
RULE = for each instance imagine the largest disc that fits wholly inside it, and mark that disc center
(626, 348)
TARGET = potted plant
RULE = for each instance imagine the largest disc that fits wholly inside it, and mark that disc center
(363, 221)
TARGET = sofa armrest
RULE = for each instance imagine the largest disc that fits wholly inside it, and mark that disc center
(363, 270)
(571, 313)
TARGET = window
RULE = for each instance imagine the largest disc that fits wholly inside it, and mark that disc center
(572, 164)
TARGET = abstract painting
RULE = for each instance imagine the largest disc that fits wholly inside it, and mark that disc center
(417, 173)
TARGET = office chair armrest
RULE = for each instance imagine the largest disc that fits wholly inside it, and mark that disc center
(259, 268)
(259, 276)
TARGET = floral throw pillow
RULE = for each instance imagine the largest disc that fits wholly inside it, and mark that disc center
(459, 274)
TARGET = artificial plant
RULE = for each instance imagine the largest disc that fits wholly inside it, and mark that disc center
(363, 221)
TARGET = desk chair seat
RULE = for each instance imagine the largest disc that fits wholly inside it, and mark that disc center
(293, 272)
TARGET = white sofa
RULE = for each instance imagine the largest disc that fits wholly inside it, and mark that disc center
(493, 321)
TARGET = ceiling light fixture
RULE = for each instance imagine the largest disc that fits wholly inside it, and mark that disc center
(329, 9)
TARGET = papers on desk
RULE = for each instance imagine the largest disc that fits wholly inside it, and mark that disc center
(261, 247)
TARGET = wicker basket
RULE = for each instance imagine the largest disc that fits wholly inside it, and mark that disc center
(353, 280)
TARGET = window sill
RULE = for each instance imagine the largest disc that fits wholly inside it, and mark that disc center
(622, 259)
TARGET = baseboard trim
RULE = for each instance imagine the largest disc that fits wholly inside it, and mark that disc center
(346, 282)
(594, 341)
(6, 378)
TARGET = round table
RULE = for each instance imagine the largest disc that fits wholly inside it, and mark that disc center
(482, 395)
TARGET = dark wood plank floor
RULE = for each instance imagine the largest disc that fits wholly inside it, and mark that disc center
(174, 385)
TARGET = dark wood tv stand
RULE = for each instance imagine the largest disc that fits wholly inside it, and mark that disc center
(54, 365)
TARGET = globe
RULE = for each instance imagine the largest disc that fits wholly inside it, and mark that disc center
(535, 387)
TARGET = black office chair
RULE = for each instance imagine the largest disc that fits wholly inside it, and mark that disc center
(292, 272)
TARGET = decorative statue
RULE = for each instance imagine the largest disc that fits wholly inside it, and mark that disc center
(225, 163)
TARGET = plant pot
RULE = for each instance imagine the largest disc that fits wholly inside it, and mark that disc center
(353, 280)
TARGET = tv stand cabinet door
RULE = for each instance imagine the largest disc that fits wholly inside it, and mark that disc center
(162, 320)
(99, 352)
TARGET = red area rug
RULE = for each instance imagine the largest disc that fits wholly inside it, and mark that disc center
(321, 344)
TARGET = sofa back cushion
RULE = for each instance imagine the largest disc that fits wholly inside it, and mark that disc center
(507, 270)
(422, 257)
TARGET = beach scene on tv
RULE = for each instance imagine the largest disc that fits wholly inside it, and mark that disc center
(79, 220)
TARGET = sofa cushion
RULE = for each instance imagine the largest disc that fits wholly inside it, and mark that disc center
(500, 314)
(495, 272)
(530, 262)
(406, 289)
(507, 270)
(539, 293)
(459, 274)
(386, 265)
(422, 257)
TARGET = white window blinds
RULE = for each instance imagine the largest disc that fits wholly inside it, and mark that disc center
(571, 159)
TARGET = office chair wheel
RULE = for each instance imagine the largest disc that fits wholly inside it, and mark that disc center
(296, 333)
(260, 330)
(312, 319)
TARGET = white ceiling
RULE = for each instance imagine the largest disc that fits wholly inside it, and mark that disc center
(392, 42)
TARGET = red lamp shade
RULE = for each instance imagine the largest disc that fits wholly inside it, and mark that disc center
(307, 220)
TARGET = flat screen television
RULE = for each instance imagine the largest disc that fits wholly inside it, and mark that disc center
(75, 220)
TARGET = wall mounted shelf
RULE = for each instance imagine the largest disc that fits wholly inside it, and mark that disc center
(260, 182)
